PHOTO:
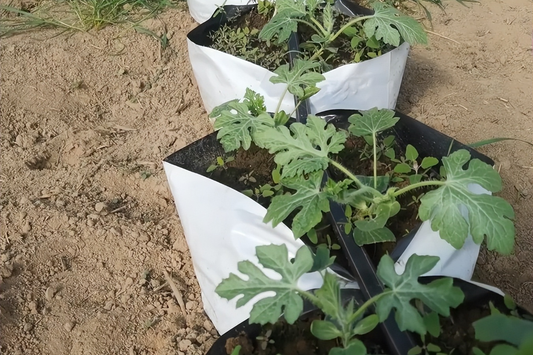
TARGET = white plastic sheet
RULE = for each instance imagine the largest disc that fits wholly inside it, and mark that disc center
(360, 86)
(453, 263)
(202, 10)
(223, 226)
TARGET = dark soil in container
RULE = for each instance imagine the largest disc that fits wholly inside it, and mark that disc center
(296, 339)
(240, 38)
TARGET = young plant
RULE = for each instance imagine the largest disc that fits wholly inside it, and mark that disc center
(306, 151)
(219, 163)
(387, 25)
(344, 322)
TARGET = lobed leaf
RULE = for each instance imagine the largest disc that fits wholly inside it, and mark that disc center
(236, 125)
(286, 299)
(255, 102)
(438, 295)
(309, 199)
(283, 23)
(371, 122)
(303, 148)
(388, 24)
(298, 77)
(488, 216)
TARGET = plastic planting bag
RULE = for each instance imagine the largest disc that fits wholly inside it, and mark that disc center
(222, 77)
(223, 226)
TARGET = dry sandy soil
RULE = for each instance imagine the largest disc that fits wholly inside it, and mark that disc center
(88, 225)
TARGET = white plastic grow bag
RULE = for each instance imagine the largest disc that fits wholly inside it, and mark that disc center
(222, 227)
(359, 86)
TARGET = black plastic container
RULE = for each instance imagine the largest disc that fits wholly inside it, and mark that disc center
(197, 156)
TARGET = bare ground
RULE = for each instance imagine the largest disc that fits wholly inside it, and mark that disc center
(88, 225)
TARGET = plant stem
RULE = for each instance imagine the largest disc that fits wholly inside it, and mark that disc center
(417, 185)
(346, 172)
(375, 160)
(367, 304)
(295, 108)
(319, 25)
(316, 29)
(281, 100)
(354, 21)
(311, 297)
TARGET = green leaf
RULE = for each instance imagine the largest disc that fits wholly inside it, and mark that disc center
(354, 42)
(388, 24)
(325, 330)
(350, 31)
(411, 153)
(477, 351)
(428, 162)
(526, 348)
(308, 198)
(488, 215)
(322, 260)
(509, 302)
(236, 350)
(499, 327)
(284, 22)
(303, 148)
(255, 102)
(433, 348)
(505, 349)
(380, 216)
(371, 122)
(211, 168)
(366, 325)
(329, 296)
(402, 168)
(379, 235)
(415, 351)
(280, 118)
(355, 347)
(439, 295)
(373, 43)
(300, 75)
(432, 323)
(217, 111)
(286, 299)
(313, 237)
(235, 125)
(415, 179)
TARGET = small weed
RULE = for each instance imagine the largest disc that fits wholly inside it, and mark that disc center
(219, 163)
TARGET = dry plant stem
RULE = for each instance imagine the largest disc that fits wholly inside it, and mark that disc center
(442, 36)
(175, 292)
